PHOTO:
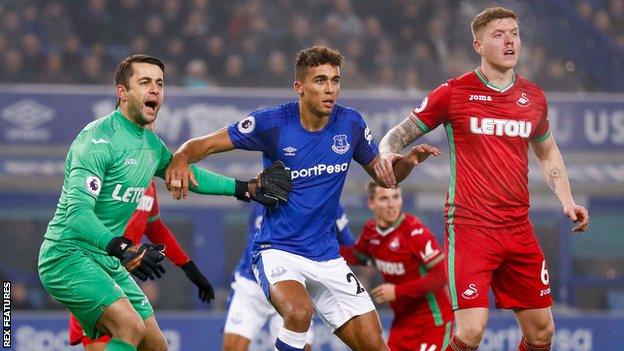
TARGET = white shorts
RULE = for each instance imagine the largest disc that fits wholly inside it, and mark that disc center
(249, 310)
(337, 295)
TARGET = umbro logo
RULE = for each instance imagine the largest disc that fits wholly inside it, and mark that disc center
(289, 151)
(480, 98)
(27, 114)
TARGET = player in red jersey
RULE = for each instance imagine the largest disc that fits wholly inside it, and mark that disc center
(408, 256)
(491, 116)
(146, 220)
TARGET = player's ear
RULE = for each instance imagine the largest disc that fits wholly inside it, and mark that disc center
(122, 94)
(298, 88)
(371, 205)
(476, 44)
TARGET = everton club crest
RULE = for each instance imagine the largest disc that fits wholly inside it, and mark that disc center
(341, 145)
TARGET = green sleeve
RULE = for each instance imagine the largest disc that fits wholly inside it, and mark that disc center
(85, 180)
(211, 183)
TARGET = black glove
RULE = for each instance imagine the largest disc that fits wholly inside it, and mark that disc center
(142, 261)
(206, 292)
(272, 185)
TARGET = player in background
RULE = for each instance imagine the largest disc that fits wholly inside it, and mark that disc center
(411, 262)
(491, 117)
(146, 220)
(248, 308)
(84, 261)
(296, 258)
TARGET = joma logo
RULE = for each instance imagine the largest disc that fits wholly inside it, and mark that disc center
(480, 98)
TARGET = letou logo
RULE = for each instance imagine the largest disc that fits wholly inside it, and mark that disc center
(500, 127)
(26, 116)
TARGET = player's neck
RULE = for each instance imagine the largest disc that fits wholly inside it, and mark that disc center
(497, 77)
(311, 122)
(124, 112)
(384, 228)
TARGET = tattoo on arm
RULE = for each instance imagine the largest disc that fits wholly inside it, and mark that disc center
(401, 136)
(554, 174)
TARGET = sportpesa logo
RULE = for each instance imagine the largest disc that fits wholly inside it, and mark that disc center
(318, 170)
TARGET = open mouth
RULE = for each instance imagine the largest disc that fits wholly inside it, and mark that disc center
(328, 103)
(509, 52)
(152, 105)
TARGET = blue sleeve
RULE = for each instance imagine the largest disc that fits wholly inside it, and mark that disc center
(366, 149)
(343, 233)
(256, 132)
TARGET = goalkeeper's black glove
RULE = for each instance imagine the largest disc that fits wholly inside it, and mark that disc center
(271, 186)
(142, 261)
(206, 291)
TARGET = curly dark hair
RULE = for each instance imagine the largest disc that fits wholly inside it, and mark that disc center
(315, 56)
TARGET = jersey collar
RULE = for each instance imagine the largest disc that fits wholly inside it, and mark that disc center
(133, 128)
(390, 229)
(487, 83)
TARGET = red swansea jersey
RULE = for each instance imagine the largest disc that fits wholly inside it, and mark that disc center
(403, 254)
(488, 130)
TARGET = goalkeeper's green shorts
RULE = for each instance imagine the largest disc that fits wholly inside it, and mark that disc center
(87, 282)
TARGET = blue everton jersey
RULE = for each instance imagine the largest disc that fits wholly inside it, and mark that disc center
(343, 235)
(318, 162)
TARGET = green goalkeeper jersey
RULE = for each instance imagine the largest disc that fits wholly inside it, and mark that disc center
(108, 167)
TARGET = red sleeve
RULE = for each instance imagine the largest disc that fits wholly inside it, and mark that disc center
(542, 131)
(158, 233)
(434, 279)
(155, 211)
(433, 109)
(358, 253)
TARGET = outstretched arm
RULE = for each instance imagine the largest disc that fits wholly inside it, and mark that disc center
(553, 169)
(392, 167)
(178, 174)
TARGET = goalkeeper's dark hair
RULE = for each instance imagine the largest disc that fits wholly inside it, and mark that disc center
(125, 69)
(313, 57)
(371, 189)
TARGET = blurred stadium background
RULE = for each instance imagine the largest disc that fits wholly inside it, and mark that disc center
(225, 59)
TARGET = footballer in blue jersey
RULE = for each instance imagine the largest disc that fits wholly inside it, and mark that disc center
(248, 308)
(296, 258)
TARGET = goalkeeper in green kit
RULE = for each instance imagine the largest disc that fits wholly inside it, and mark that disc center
(84, 262)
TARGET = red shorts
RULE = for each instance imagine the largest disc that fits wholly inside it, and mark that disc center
(77, 336)
(510, 259)
(418, 336)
